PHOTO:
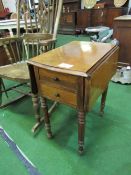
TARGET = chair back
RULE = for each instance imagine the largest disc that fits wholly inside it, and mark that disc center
(41, 17)
(15, 49)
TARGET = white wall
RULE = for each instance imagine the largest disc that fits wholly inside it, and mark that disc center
(11, 4)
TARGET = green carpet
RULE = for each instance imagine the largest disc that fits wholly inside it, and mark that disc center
(107, 139)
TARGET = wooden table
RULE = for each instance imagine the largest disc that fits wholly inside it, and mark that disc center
(12, 24)
(75, 74)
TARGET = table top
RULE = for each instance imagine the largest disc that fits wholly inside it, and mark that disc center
(76, 57)
(124, 17)
(9, 22)
(96, 29)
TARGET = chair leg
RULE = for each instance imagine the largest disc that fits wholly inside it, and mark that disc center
(54, 45)
(2, 84)
(3, 89)
(46, 117)
(103, 100)
(26, 50)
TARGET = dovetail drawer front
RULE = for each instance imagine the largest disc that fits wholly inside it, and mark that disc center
(61, 79)
(58, 94)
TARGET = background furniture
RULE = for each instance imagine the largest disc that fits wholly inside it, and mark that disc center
(78, 19)
(73, 78)
(122, 32)
(67, 23)
(103, 36)
(68, 17)
(71, 5)
(11, 24)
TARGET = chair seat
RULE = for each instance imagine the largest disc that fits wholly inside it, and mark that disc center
(42, 42)
(17, 72)
(46, 42)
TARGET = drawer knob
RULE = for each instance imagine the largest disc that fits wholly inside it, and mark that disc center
(56, 79)
(57, 95)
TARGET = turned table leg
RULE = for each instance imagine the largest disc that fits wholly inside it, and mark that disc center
(81, 130)
(0, 91)
(35, 100)
(46, 117)
(103, 100)
(36, 106)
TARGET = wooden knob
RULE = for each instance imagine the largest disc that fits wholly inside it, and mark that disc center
(56, 79)
(57, 95)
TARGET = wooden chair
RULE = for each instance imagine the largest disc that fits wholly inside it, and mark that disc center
(41, 18)
(39, 34)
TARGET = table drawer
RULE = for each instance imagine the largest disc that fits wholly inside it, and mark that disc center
(61, 79)
(58, 94)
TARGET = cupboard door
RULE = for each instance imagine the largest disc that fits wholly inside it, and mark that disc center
(122, 32)
(67, 23)
(113, 13)
(83, 18)
(98, 17)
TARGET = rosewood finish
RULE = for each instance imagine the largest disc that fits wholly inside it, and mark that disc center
(75, 74)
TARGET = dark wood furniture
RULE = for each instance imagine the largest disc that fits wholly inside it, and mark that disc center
(75, 74)
(67, 23)
(122, 32)
(68, 16)
(104, 16)
(71, 5)
(89, 18)
(113, 13)
(3, 57)
(103, 13)
(83, 19)
(98, 17)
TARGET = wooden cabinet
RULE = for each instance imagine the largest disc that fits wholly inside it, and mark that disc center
(122, 32)
(68, 16)
(105, 16)
(98, 17)
(67, 23)
(113, 13)
(83, 19)
(71, 5)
